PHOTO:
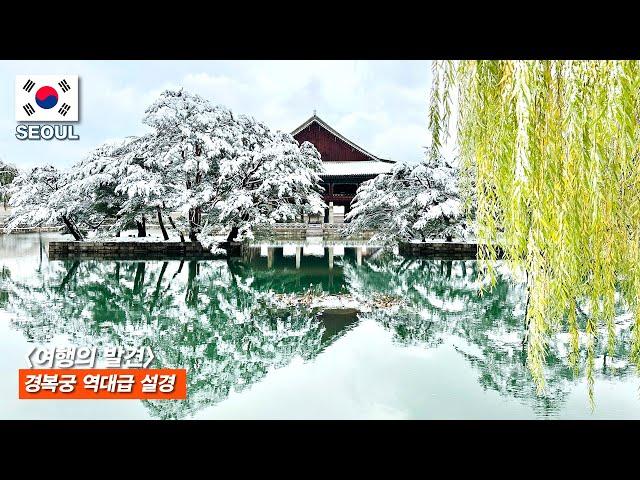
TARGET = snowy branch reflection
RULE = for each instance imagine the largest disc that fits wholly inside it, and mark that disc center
(231, 322)
(446, 301)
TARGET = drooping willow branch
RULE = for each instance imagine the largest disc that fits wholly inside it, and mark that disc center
(549, 152)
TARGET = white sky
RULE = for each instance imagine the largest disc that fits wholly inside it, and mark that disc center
(380, 105)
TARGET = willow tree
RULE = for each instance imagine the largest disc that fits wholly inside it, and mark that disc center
(549, 150)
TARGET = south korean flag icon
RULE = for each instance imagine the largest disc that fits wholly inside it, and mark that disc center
(46, 98)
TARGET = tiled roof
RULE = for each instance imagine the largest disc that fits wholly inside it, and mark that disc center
(326, 126)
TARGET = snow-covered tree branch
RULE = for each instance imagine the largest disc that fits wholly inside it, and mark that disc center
(411, 202)
(222, 172)
(39, 197)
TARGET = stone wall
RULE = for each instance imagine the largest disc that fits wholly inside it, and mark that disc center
(194, 250)
(441, 250)
(135, 250)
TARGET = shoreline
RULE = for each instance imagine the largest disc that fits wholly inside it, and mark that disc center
(124, 249)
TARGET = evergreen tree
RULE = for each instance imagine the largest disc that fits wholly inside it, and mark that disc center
(39, 197)
(411, 202)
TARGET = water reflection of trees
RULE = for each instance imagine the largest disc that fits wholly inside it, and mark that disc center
(446, 300)
(199, 316)
(222, 321)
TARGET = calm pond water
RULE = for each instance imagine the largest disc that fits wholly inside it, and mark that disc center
(298, 332)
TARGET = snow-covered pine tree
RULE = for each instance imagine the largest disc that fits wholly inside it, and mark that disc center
(38, 197)
(221, 171)
(441, 213)
(96, 177)
(411, 202)
(271, 179)
(228, 171)
(144, 184)
(191, 137)
(126, 183)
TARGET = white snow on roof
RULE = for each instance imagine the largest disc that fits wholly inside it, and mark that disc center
(367, 167)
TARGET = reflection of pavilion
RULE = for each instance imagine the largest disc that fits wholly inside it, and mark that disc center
(336, 323)
(288, 255)
(232, 330)
(224, 322)
(302, 266)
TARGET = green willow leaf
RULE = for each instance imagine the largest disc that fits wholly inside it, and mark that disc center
(549, 152)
